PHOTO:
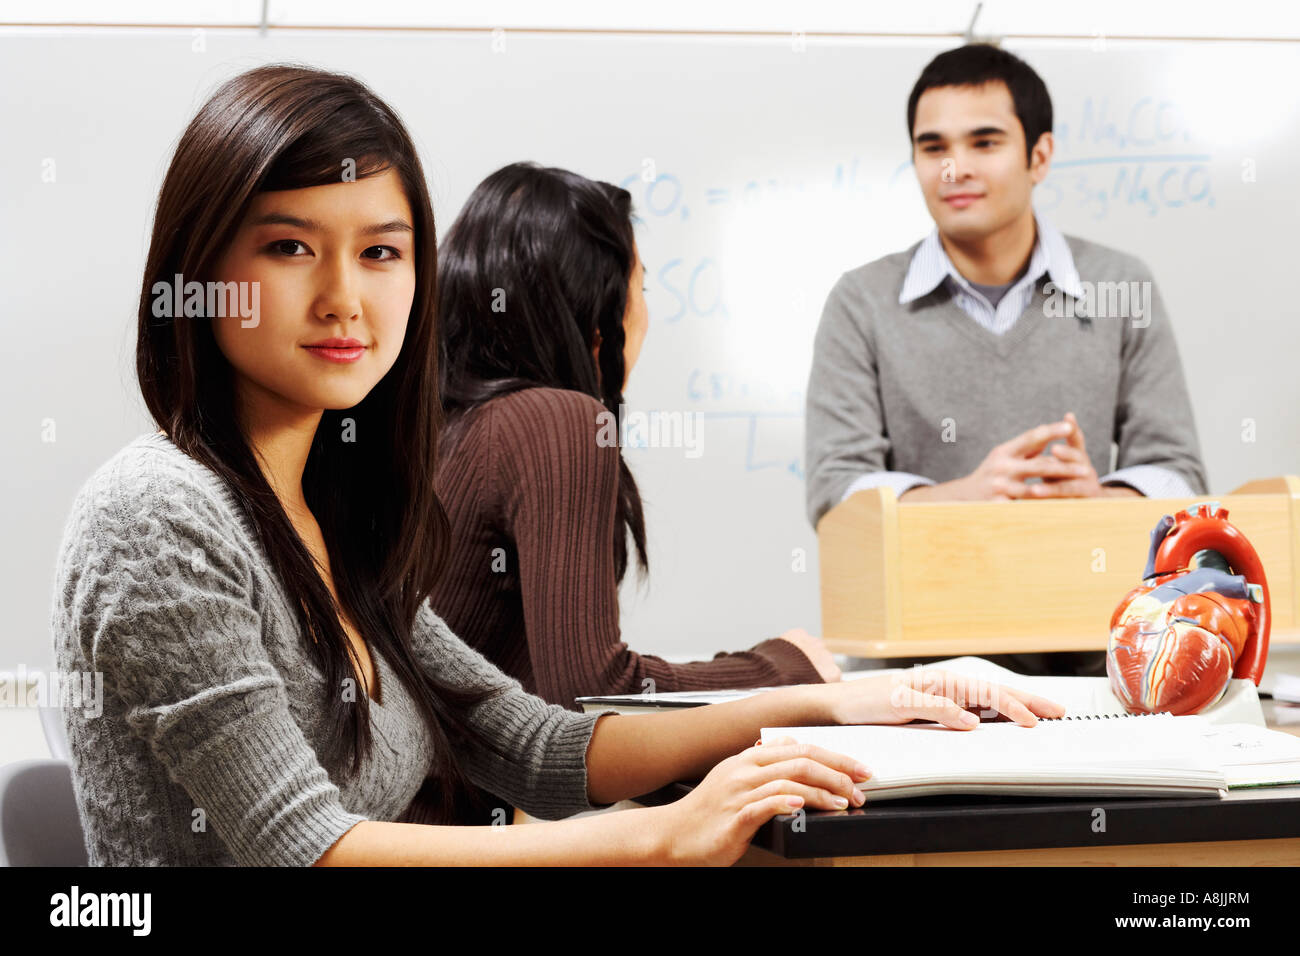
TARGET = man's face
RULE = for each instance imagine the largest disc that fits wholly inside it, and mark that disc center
(968, 148)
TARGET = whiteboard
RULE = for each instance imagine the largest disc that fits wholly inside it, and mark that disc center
(761, 172)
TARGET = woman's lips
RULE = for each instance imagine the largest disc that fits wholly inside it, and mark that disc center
(342, 356)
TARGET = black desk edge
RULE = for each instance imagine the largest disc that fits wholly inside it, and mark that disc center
(961, 823)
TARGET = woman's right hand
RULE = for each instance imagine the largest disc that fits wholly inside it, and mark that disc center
(714, 823)
(815, 649)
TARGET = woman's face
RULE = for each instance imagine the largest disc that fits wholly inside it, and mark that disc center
(333, 262)
(636, 318)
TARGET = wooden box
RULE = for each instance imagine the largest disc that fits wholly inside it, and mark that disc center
(952, 578)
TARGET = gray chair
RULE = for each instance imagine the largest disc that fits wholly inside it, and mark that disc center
(39, 823)
(51, 714)
(56, 735)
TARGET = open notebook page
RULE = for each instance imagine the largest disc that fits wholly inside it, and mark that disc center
(1116, 755)
(1110, 756)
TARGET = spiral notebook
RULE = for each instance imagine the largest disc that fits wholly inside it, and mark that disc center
(1086, 755)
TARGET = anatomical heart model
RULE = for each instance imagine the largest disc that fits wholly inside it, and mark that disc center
(1199, 618)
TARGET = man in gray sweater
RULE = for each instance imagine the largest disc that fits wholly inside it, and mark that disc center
(946, 371)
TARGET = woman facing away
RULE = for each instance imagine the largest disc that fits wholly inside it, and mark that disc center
(541, 317)
(251, 580)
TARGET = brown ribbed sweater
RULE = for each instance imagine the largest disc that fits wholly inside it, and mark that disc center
(530, 585)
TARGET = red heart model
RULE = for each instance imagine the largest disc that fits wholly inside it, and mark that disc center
(1199, 618)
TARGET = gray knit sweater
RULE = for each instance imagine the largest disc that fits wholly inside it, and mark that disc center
(205, 752)
(923, 388)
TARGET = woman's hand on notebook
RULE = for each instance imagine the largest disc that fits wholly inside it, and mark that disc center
(933, 694)
(715, 822)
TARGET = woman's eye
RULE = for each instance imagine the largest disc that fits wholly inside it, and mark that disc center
(279, 246)
(286, 247)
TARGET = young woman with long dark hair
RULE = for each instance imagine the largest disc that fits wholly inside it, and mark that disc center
(541, 318)
(251, 580)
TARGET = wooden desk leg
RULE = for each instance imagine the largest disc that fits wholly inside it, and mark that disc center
(757, 856)
(1280, 852)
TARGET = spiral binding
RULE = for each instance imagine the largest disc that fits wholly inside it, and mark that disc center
(1159, 713)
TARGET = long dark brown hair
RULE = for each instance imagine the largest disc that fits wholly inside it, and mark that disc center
(559, 249)
(281, 127)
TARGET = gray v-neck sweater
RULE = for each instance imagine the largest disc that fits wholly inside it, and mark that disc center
(922, 388)
(205, 752)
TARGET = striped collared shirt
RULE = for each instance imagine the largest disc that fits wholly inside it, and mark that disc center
(930, 267)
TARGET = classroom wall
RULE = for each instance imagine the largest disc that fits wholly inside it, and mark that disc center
(761, 169)
(1115, 18)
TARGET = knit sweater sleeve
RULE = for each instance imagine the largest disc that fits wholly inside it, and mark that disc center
(559, 483)
(158, 599)
(538, 755)
(1154, 424)
(845, 436)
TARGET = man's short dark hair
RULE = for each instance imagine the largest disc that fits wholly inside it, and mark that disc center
(978, 63)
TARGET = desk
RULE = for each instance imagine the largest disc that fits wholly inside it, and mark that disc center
(1246, 828)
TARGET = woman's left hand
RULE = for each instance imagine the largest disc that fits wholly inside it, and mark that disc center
(932, 694)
